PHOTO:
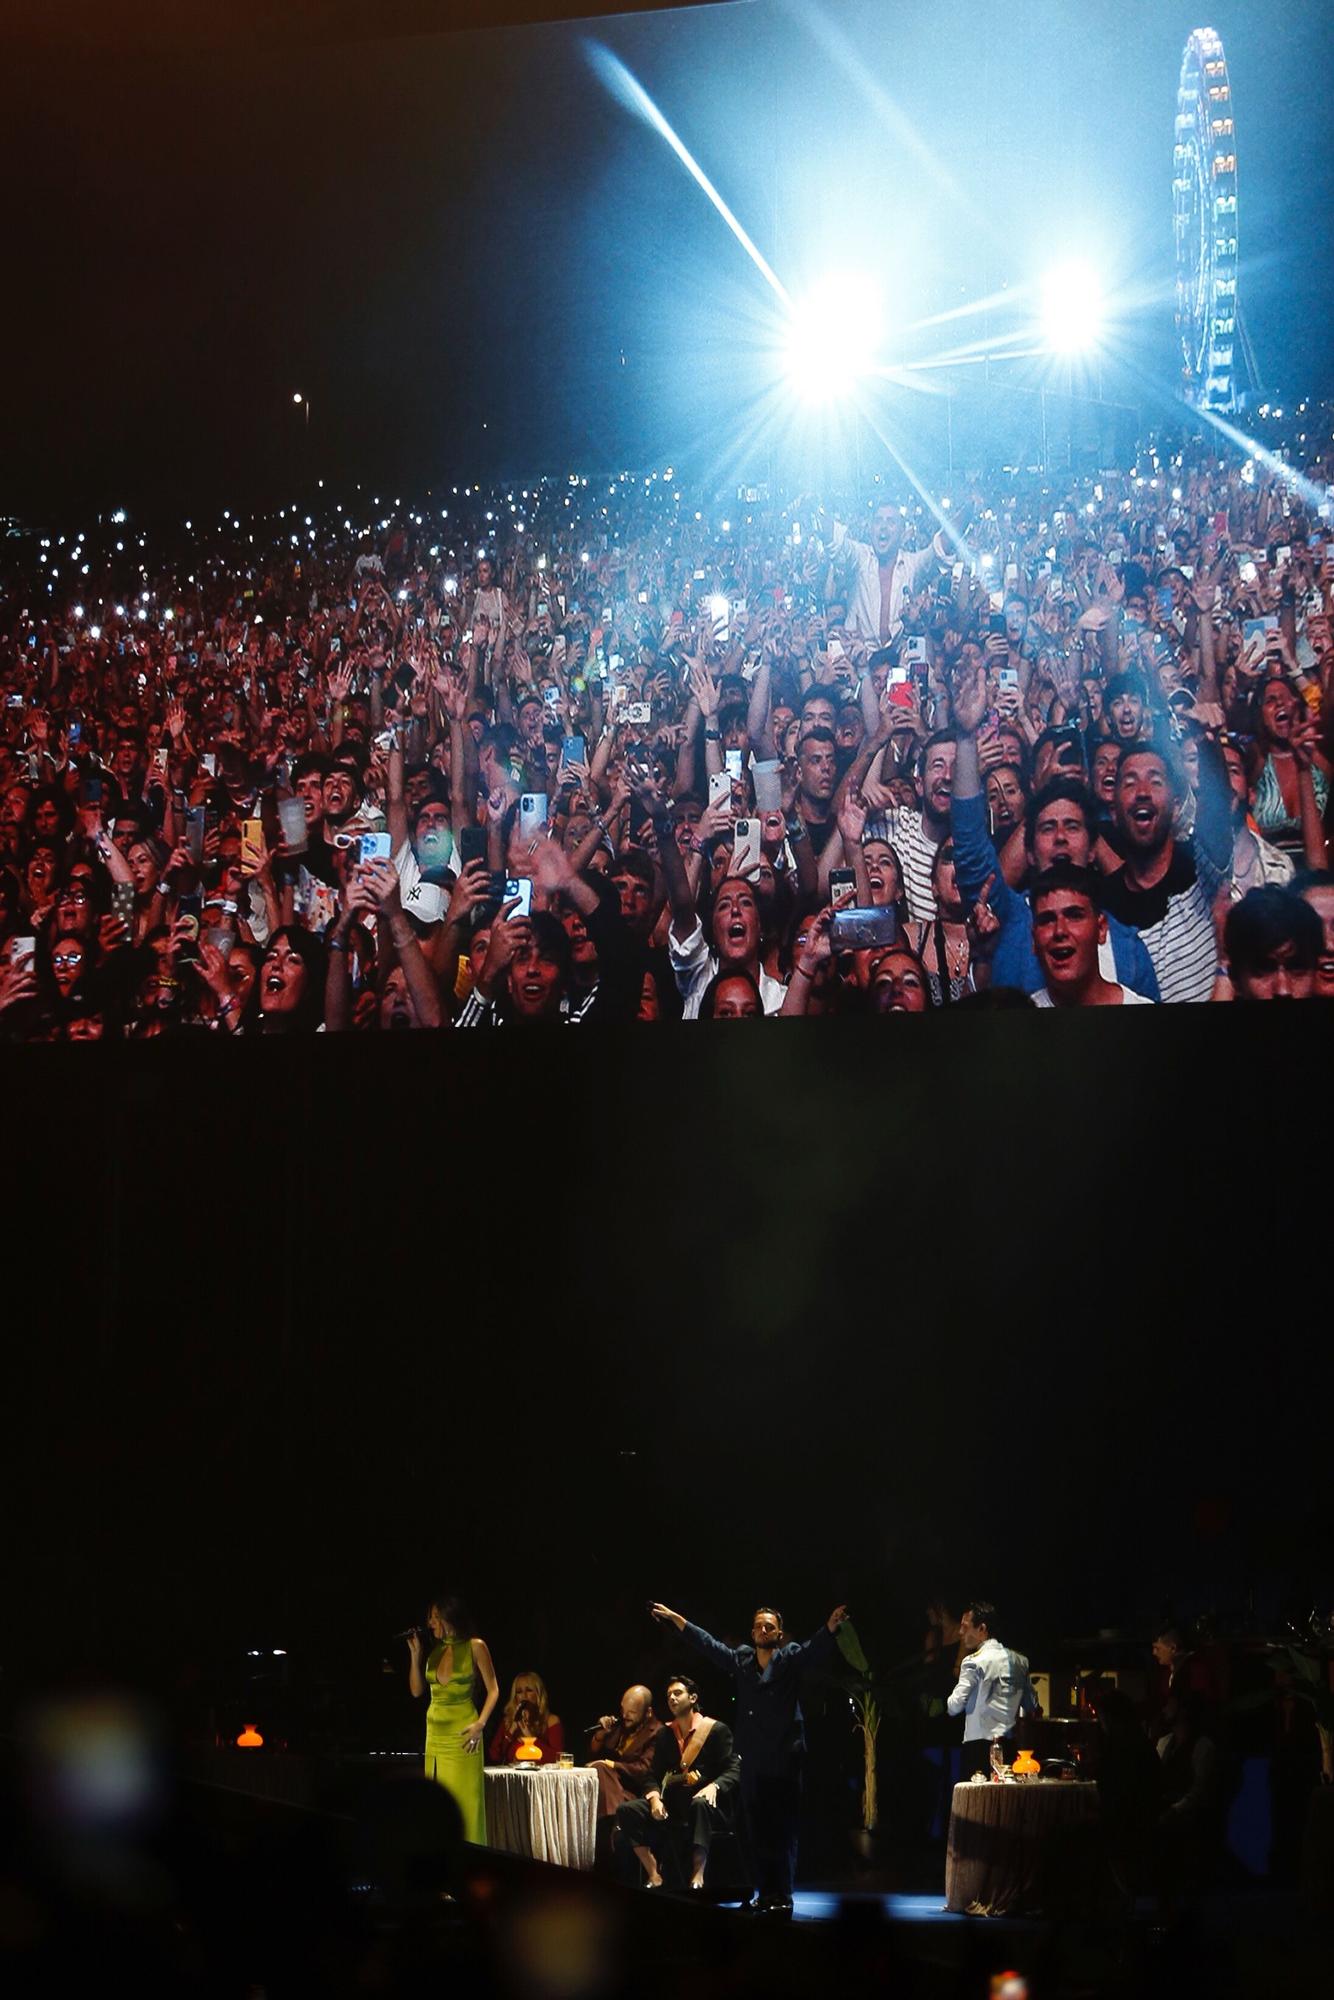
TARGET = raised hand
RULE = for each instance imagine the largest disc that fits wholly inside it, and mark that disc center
(817, 949)
(968, 697)
(17, 982)
(472, 887)
(211, 966)
(852, 820)
(553, 871)
(706, 690)
(381, 879)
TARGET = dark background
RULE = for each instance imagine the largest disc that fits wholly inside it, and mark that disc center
(298, 1335)
(473, 261)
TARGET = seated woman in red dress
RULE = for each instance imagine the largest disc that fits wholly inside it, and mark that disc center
(527, 1716)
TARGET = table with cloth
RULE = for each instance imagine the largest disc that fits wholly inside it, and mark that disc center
(1029, 1845)
(547, 1811)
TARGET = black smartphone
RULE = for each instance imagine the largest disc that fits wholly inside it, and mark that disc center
(472, 844)
(90, 792)
(854, 930)
(192, 907)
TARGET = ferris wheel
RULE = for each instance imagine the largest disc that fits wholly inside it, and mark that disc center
(1217, 365)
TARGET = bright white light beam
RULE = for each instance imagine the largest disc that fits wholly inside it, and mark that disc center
(632, 94)
(832, 338)
(1314, 496)
(1072, 308)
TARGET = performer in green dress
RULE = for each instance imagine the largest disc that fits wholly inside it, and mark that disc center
(454, 1728)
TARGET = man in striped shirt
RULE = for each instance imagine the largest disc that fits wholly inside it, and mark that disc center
(917, 834)
(1166, 887)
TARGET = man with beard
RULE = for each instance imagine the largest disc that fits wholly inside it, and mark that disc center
(620, 1750)
(817, 778)
(1125, 705)
(917, 832)
(884, 573)
(692, 1779)
(770, 1737)
(1165, 887)
(993, 1689)
(1069, 932)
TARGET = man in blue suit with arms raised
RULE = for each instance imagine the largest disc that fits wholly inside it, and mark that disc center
(768, 1733)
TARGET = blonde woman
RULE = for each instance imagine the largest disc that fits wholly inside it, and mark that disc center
(528, 1713)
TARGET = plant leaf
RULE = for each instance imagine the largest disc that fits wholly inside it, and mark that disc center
(850, 1646)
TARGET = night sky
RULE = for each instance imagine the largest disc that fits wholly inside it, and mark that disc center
(427, 236)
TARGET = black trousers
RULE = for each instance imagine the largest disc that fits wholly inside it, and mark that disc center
(773, 1804)
(688, 1820)
(977, 1756)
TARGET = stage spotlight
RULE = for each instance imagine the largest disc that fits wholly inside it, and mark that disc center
(832, 338)
(1072, 308)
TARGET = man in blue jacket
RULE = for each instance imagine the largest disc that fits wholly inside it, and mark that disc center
(769, 1734)
(1058, 826)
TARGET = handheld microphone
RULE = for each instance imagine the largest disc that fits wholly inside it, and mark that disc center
(412, 1632)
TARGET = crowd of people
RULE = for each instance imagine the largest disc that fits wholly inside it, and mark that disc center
(579, 754)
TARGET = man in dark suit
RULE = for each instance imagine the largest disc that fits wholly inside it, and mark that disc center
(692, 1779)
(769, 1734)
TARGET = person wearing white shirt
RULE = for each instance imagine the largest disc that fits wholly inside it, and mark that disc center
(736, 941)
(884, 573)
(735, 930)
(993, 1689)
(1070, 941)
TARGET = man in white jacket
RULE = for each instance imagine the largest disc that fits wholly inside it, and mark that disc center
(993, 1689)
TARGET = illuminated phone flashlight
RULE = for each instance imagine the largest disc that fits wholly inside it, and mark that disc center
(402, 596)
(169, 614)
(541, 562)
(987, 560)
(727, 527)
(94, 631)
(718, 609)
(585, 557)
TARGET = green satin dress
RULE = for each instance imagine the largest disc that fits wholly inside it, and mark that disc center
(452, 1709)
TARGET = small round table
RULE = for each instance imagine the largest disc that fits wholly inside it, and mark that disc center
(546, 1811)
(1027, 1845)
